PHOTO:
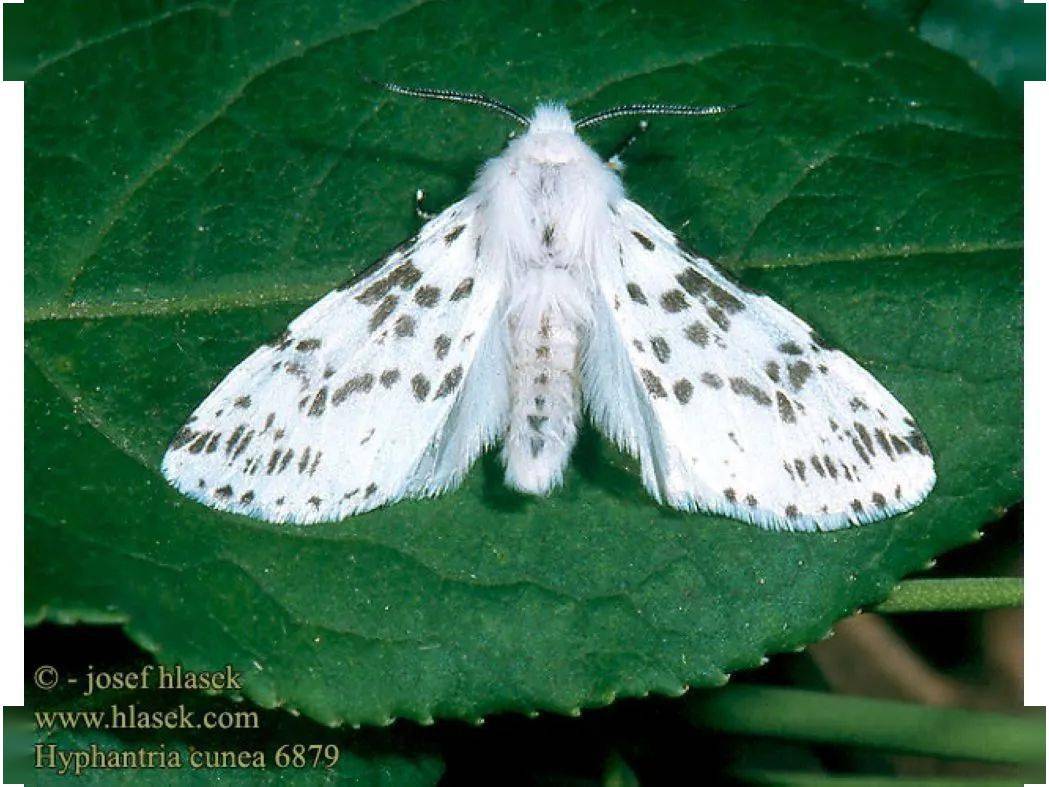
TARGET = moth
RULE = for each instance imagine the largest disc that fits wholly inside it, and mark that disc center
(543, 294)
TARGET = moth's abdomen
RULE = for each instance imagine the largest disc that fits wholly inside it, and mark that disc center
(544, 396)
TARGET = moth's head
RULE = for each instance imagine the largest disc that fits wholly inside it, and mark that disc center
(551, 119)
(551, 137)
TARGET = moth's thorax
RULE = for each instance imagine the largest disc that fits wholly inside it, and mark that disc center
(544, 201)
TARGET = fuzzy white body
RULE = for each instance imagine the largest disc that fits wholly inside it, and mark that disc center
(543, 295)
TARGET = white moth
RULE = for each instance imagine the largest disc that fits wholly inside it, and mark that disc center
(543, 293)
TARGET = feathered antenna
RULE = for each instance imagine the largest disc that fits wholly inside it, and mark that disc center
(477, 99)
(655, 109)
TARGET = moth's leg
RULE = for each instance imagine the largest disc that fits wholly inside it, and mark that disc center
(420, 211)
(614, 161)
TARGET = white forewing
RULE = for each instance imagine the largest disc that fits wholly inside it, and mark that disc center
(732, 403)
(386, 388)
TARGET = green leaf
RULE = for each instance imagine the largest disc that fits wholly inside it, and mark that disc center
(1003, 41)
(195, 178)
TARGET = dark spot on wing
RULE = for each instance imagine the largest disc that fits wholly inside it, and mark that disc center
(441, 345)
(859, 450)
(786, 410)
(247, 497)
(320, 401)
(242, 402)
(710, 379)
(382, 311)
(730, 495)
(548, 235)
(404, 326)
(790, 348)
(817, 465)
(427, 296)
(449, 383)
(536, 445)
(791, 511)
(772, 370)
(243, 444)
(184, 437)
(370, 490)
(463, 289)
(798, 372)
(799, 468)
(199, 443)
(828, 464)
(308, 345)
(719, 317)
(698, 285)
(883, 441)
(224, 492)
(917, 441)
(286, 460)
(283, 341)
(660, 348)
(879, 500)
(746, 388)
(653, 384)
(865, 436)
(673, 301)
(405, 275)
(643, 240)
(361, 383)
(697, 333)
(454, 233)
(389, 377)
(274, 459)
(857, 506)
(420, 386)
(232, 440)
(636, 294)
(683, 390)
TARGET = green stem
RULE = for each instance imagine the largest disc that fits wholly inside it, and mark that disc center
(811, 779)
(941, 595)
(881, 724)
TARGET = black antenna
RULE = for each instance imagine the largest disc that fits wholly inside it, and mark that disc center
(452, 95)
(655, 109)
